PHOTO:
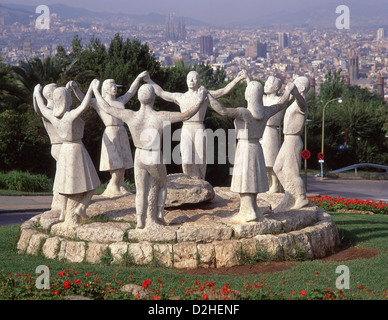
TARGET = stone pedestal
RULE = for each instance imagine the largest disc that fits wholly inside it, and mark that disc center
(200, 236)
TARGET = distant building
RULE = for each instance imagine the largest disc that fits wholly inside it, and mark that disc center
(206, 45)
(27, 48)
(256, 49)
(223, 58)
(380, 86)
(284, 39)
(173, 32)
(380, 34)
(353, 67)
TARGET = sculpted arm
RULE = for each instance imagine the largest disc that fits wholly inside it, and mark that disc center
(120, 114)
(167, 96)
(283, 101)
(75, 113)
(135, 85)
(300, 100)
(220, 109)
(39, 103)
(223, 91)
(36, 108)
(72, 85)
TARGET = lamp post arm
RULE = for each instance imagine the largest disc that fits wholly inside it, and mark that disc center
(323, 123)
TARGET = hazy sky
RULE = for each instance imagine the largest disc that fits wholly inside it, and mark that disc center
(211, 11)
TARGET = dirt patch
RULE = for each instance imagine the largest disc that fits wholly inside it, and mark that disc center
(352, 254)
(275, 266)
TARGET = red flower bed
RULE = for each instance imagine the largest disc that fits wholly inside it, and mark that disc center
(336, 204)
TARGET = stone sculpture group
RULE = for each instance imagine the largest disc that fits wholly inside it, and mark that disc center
(261, 163)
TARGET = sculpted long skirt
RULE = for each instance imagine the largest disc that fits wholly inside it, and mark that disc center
(75, 170)
(271, 145)
(249, 172)
(115, 150)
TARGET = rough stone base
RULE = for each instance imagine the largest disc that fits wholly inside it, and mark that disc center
(202, 236)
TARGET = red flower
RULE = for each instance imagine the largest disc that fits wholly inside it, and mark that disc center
(55, 293)
(303, 293)
(146, 283)
(62, 273)
(67, 284)
(77, 281)
(204, 297)
(196, 282)
(156, 298)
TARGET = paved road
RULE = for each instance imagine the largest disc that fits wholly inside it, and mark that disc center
(9, 218)
(349, 188)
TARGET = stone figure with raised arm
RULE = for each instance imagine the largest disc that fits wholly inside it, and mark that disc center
(76, 178)
(289, 159)
(55, 140)
(249, 172)
(146, 127)
(271, 140)
(116, 155)
(193, 135)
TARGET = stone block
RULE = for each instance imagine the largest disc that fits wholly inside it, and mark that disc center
(95, 251)
(185, 255)
(141, 252)
(227, 253)
(163, 254)
(207, 255)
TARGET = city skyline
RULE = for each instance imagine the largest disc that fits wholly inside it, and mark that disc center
(282, 50)
(217, 13)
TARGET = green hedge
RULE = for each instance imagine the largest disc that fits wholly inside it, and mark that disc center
(25, 181)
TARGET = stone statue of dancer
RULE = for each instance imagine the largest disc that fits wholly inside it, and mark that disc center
(76, 178)
(116, 155)
(193, 135)
(271, 140)
(249, 172)
(55, 140)
(289, 159)
(146, 127)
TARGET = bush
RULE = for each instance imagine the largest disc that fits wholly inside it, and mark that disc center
(24, 181)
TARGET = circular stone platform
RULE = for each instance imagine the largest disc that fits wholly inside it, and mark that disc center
(203, 235)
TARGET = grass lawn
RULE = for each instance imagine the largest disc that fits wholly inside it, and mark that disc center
(368, 277)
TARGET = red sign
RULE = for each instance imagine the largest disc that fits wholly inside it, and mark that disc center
(320, 156)
(306, 154)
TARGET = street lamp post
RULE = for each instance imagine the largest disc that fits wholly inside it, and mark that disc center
(323, 129)
(305, 146)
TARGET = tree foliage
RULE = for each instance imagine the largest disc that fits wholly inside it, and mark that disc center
(354, 129)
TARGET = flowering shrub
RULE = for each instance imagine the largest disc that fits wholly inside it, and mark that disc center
(69, 283)
(335, 204)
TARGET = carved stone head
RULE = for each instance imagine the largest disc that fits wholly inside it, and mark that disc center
(272, 85)
(193, 80)
(62, 101)
(303, 84)
(146, 94)
(109, 88)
